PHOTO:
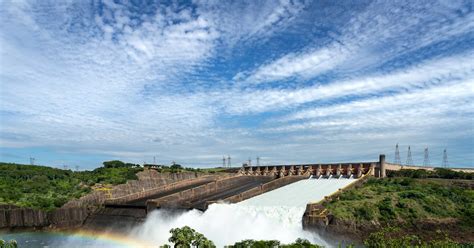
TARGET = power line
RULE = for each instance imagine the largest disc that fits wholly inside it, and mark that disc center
(426, 159)
(409, 157)
(445, 159)
(397, 155)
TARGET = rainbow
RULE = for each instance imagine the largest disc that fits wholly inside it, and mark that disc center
(101, 239)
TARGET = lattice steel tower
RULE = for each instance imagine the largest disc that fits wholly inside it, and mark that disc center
(445, 159)
(223, 162)
(409, 158)
(397, 155)
(426, 159)
(228, 161)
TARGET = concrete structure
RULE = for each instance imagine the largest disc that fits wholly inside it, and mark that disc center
(352, 169)
(130, 202)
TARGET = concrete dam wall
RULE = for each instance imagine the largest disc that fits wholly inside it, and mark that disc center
(187, 194)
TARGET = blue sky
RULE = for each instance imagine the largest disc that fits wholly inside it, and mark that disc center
(290, 81)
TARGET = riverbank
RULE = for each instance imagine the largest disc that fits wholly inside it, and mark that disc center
(429, 208)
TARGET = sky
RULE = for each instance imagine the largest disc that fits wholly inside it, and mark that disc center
(287, 81)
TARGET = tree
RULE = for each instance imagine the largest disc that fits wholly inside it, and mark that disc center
(186, 237)
(113, 164)
(10, 244)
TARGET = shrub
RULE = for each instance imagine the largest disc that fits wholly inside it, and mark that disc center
(386, 209)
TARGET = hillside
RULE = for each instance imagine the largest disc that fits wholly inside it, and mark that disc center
(423, 206)
(46, 188)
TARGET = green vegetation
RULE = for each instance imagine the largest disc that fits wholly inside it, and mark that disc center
(437, 173)
(118, 164)
(392, 238)
(47, 188)
(185, 237)
(299, 243)
(174, 168)
(405, 200)
(8, 244)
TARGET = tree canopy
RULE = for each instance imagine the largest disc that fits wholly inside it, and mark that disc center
(187, 237)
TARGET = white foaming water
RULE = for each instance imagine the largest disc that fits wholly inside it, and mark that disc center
(274, 215)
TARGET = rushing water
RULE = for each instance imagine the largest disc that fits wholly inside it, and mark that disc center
(273, 215)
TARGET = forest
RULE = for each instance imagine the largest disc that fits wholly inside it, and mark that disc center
(46, 188)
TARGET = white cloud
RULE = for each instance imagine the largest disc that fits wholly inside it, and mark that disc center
(367, 40)
(127, 85)
(426, 74)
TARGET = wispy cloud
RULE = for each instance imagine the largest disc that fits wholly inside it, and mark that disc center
(199, 80)
(368, 39)
(423, 75)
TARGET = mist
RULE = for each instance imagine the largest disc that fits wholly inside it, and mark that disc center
(226, 224)
(275, 215)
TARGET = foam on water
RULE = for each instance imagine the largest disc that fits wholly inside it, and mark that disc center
(274, 215)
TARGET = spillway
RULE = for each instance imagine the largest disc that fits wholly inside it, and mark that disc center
(298, 194)
(275, 215)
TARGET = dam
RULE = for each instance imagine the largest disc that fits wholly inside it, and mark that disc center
(277, 184)
(250, 202)
(276, 202)
(274, 215)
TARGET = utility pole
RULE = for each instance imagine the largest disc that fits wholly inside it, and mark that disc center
(426, 160)
(228, 161)
(409, 158)
(445, 159)
(258, 161)
(223, 161)
(397, 155)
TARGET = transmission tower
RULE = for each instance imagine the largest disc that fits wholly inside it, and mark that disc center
(445, 159)
(65, 167)
(397, 155)
(223, 161)
(228, 161)
(409, 158)
(32, 161)
(426, 160)
(258, 161)
(250, 162)
(77, 168)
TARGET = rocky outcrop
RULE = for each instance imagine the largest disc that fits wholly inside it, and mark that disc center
(116, 219)
(12, 217)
